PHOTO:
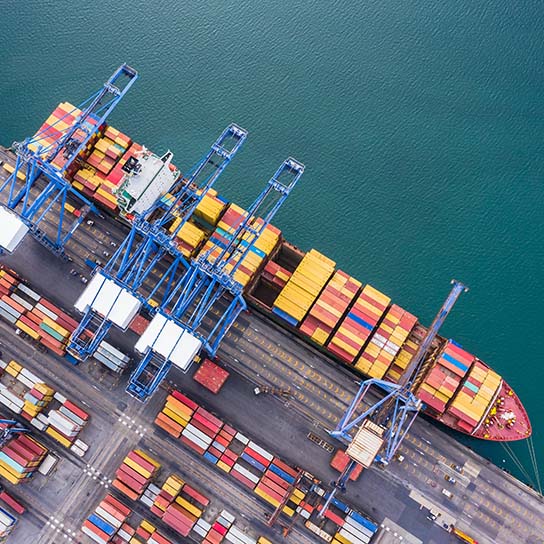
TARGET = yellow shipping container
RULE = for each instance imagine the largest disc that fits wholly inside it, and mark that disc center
(146, 526)
(320, 336)
(189, 507)
(341, 539)
(288, 511)
(139, 469)
(223, 466)
(7, 473)
(58, 437)
(147, 458)
(266, 497)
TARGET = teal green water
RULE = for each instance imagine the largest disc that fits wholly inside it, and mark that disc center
(420, 123)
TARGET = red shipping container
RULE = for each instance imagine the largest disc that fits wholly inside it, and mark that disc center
(185, 400)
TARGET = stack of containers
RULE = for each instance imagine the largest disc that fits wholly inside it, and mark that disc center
(185, 510)
(135, 474)
(189, 237)
(8, 281)
(106, 520)
(111, 357)
(210, 208)
(56, 125)
(176, 413)
(66, 423)
(237, 536)
(355, 529)
(386, 342)
(20, 457)
(264, 245)
(232, 452)
(303, 287)
(330, 307)
(102, 172)
(260, 250)
(219, 528)
(475, 396)
(402, 360)
(358, 324)
(146, 533)
(442, 381)
(167, 493)
(39, 396)
(201, 431)
(7, 524)
(229, 444)
(276, 274)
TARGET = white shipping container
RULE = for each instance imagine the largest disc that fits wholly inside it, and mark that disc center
(80, 444)
(73, 417)
(60, 397)
(241, 536)
(32, 377)
(79, 452)
(155, 489)
(91, 535)
(29, 292)
(244, 472)
(47, 312)
(38, 424)
(200, 531)
(8, 317)
(147, 501)
(259, 450)
(356, 538)
(197, 432)
(124, 535)
(195, 439)
(107, 362)
(21, 301)
(8, 312)
(243, 439)
(106, 516)
(25, 381)
(3, 364)
(113, 351)
(202, 523)
(12, 397)
(357, 526)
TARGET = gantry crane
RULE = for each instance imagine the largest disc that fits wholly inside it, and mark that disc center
(9, 428)
(114, 295)
(28, 206)
(385, 423)
(200, 309)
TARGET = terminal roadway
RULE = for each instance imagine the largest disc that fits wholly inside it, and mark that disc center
(486, 502)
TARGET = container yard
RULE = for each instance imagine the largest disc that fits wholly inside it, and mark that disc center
(133, 386)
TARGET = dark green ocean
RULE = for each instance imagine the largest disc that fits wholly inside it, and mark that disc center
(420, 124)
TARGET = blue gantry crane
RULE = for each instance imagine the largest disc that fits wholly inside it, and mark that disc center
(11, 428)
(114, 295)
(385, 423)
(30, 204)
(201, 308)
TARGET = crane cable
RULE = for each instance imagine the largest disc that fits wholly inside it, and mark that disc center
(517, 462)
(532, 455)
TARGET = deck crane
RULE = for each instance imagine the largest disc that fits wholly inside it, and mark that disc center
(30, 205)
(114, 295)
(200, 309)
(385, 423)
(8, 428)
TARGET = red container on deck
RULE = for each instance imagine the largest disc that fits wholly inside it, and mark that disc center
(211, 376)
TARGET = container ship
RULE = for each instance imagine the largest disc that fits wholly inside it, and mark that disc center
(353, 323)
